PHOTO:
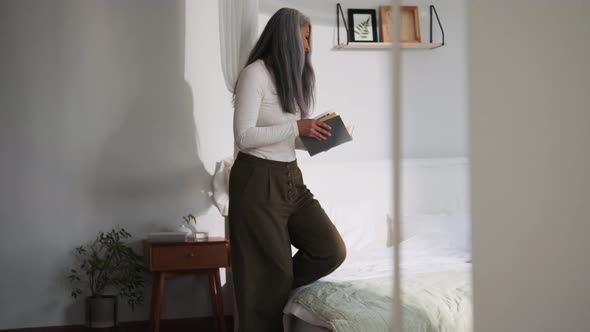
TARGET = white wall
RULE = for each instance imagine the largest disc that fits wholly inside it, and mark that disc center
(529, 80)
(102, 123)
(213, 109)
(434, 86)
(356, 83)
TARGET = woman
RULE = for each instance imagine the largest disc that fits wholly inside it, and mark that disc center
(270, 206)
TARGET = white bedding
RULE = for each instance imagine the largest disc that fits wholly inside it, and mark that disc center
(418, 255)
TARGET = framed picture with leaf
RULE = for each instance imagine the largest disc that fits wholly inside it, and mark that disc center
(362, 25)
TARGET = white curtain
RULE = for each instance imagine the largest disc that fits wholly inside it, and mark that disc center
(238, 30)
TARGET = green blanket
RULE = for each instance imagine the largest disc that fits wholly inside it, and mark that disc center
(432, 302)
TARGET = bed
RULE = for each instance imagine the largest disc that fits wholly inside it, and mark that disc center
(436, 293)
(434, 252)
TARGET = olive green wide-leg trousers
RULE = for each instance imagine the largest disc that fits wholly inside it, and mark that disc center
(270, 208)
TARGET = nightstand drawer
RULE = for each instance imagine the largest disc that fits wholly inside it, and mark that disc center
(203, 256)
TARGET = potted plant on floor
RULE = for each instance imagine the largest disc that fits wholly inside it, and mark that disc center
(108, 263)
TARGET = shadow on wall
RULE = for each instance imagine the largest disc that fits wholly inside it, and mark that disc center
(148, 171)
(148, 168)
(97, 131)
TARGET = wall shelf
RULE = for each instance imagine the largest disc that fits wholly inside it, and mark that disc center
(382, 45)
(387, 45)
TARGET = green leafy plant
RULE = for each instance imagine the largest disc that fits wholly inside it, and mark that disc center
(190, 218)
(362, 29)
(109, 262)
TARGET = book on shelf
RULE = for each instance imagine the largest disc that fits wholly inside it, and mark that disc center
(340, 134)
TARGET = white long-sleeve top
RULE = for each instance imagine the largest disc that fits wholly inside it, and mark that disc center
(261, 127)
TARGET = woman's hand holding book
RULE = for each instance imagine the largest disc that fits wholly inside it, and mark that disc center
(314, 128)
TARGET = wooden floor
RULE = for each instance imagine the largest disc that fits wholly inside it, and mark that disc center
(166, 325)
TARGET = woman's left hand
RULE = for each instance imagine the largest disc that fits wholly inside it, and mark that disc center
(314, 128)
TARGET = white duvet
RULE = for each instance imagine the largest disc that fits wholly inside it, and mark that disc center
(425, 264)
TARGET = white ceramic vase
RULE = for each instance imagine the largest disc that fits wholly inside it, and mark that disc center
(184, 228)
(193, 227)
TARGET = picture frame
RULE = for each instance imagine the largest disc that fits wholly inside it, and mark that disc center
(409, 25)
(362, 25)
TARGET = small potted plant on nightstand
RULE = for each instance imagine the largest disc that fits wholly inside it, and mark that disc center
(108, 264)
(197, 235)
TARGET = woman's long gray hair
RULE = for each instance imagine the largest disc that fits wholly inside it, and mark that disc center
(281, 49)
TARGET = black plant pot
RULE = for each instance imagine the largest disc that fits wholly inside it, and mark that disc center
(101, 311)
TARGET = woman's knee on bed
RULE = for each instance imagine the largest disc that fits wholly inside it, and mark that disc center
(333, 249)
(338, 252)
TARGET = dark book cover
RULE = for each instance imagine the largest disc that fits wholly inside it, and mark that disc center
(339, 136)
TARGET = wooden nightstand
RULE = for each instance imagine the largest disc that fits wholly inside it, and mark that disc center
(168, 259)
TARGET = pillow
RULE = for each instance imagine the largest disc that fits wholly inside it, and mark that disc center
(448, 230)
(460, 229)
(357, 222)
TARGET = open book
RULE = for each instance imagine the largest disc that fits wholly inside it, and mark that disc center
(340, 135)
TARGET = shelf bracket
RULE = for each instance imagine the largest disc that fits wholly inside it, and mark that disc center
(432, 9)
(339, 13)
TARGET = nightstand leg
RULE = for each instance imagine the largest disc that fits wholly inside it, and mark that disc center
(212, 293)
(220, 311)
(156, 305)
